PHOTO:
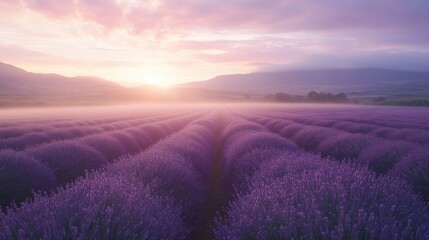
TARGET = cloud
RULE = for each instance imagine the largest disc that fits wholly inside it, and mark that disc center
(403, 21)
(52, 8)
(21, 56)
(196, 38)
(400, 60)
(107, 13)
(270, 15)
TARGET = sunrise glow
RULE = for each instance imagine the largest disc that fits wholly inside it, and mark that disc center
(154, 80)
(198, 40)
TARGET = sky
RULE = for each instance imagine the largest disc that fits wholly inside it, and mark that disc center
(168, 42)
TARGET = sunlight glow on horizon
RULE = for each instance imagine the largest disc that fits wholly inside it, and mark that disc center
(170, 42)
(155, 81)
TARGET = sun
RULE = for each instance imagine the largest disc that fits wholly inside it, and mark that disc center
(154, 80)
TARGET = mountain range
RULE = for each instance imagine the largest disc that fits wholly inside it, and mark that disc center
(356, 83)
(349, 81)
(16, 82)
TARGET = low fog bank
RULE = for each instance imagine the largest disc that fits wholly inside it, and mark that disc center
(154, 95)
(55, 113)
(149, 94)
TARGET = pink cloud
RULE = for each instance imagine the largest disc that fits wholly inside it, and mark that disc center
(272, 15)
(248, 52)
(21, 56)
(52, 8)
(361, 31)
(283, 15)
(107, 13)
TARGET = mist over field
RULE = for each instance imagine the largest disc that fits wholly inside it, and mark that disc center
(226, 120)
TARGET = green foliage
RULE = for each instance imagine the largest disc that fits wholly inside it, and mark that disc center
(403, 101)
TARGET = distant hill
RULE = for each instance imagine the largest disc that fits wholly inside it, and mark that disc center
(21, 88)
(350, 81)
(17, 82)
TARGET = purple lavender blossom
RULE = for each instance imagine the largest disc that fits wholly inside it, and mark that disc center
(20, 175)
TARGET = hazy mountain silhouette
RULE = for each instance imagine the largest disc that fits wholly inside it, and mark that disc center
(368, 80)
(19, 87)
(18, 82)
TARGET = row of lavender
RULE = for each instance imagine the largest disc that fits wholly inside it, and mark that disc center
(391, 117)
(156, 194)
(44, 166)
(415, 135)
(398, 158)
(280, 192)
(21, 136)
(397, 117)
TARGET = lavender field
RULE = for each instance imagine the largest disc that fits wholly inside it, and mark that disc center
(215, 172)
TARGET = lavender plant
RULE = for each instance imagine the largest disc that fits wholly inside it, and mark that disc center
(20, 176)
